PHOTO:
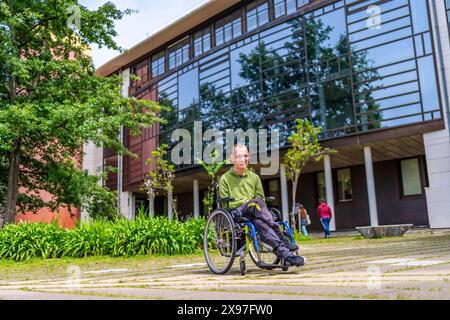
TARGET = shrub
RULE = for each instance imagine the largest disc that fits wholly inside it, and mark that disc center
(31, 240)
(117, 238)
(86, 240)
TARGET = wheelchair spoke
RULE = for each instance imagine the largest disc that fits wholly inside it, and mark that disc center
(220, 242)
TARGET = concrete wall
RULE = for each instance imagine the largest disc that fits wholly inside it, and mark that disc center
(93, 164)
(437, 144)
(126, 201)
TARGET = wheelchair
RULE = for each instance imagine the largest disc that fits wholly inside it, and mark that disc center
(228, 235)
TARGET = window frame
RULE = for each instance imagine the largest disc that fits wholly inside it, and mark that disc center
(178, 49)
(232, 19)
(338, 200)
(277, 202)
(202, 35)
(144, 68)
(400, 179)
(159, 56)
(256, 5)
(317, 186)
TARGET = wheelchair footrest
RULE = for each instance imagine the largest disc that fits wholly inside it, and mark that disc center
(269, 266)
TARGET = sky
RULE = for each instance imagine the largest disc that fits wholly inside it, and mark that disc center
(153, 16)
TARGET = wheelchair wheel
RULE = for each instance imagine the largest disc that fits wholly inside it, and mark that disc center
(266, 254)
(219, 241)
(243, 268)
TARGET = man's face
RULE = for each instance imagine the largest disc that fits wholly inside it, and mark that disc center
(241, 157)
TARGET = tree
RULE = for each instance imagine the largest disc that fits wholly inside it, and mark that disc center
(212, 169)
(304, 147)
(51, 101)
(161, 177)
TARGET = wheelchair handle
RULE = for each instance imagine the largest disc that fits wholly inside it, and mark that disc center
(269, 199)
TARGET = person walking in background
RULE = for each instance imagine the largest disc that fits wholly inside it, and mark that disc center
(304, 219)
(325, 215)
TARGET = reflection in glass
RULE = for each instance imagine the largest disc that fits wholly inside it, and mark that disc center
(202, 42)
(241, 76)
(158, 64)
(309, 67)
(188, 91)
(179, 53)
(228, 28)
(345, 191)
(332, 106)
(257, 14)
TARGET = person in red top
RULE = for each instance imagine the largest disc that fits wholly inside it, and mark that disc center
(325, 215)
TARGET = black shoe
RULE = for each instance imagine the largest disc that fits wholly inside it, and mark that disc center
(297, 261)
(291, 246)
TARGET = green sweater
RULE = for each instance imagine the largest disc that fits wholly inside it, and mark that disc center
(242, 189)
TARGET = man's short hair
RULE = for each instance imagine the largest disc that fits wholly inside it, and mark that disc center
(238, 146)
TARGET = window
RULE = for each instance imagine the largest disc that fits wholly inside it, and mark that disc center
(257, 14)
(274, 191)
(282, 7)
(158, 64)
(321, 187)
(188, 91)
(344, 180)
(241, 68)
(202, 42)
(140, 71)
(179, 53)
(411, 183)
(228, 28)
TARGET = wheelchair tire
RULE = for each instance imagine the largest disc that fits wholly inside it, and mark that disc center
(243, 268)
(220, 251)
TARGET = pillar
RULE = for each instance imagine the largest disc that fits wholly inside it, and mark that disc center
(329, 189)
(371, 186)
(284, 193)
(126, 200)
(196, 200)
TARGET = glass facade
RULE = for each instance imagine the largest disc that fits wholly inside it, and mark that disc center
(352, 66)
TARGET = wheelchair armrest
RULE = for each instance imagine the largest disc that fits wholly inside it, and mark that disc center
(226, 199)
(270, 199)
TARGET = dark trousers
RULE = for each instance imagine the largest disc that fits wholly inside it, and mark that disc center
(269, 231)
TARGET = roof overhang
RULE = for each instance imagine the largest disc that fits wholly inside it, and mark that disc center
(174, 30)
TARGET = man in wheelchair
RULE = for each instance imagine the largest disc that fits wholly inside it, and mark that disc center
(245, 188)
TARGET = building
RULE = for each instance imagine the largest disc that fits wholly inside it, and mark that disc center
(373, 73)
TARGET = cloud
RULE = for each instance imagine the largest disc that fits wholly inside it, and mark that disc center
(153, 16)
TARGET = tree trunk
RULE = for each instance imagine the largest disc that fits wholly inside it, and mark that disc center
(294, 193)
(151, 206)
(13, 184)
(170, 204)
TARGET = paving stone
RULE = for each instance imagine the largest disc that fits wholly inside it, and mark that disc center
(416, 266)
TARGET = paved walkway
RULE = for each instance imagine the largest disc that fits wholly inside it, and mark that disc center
(416, 266)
